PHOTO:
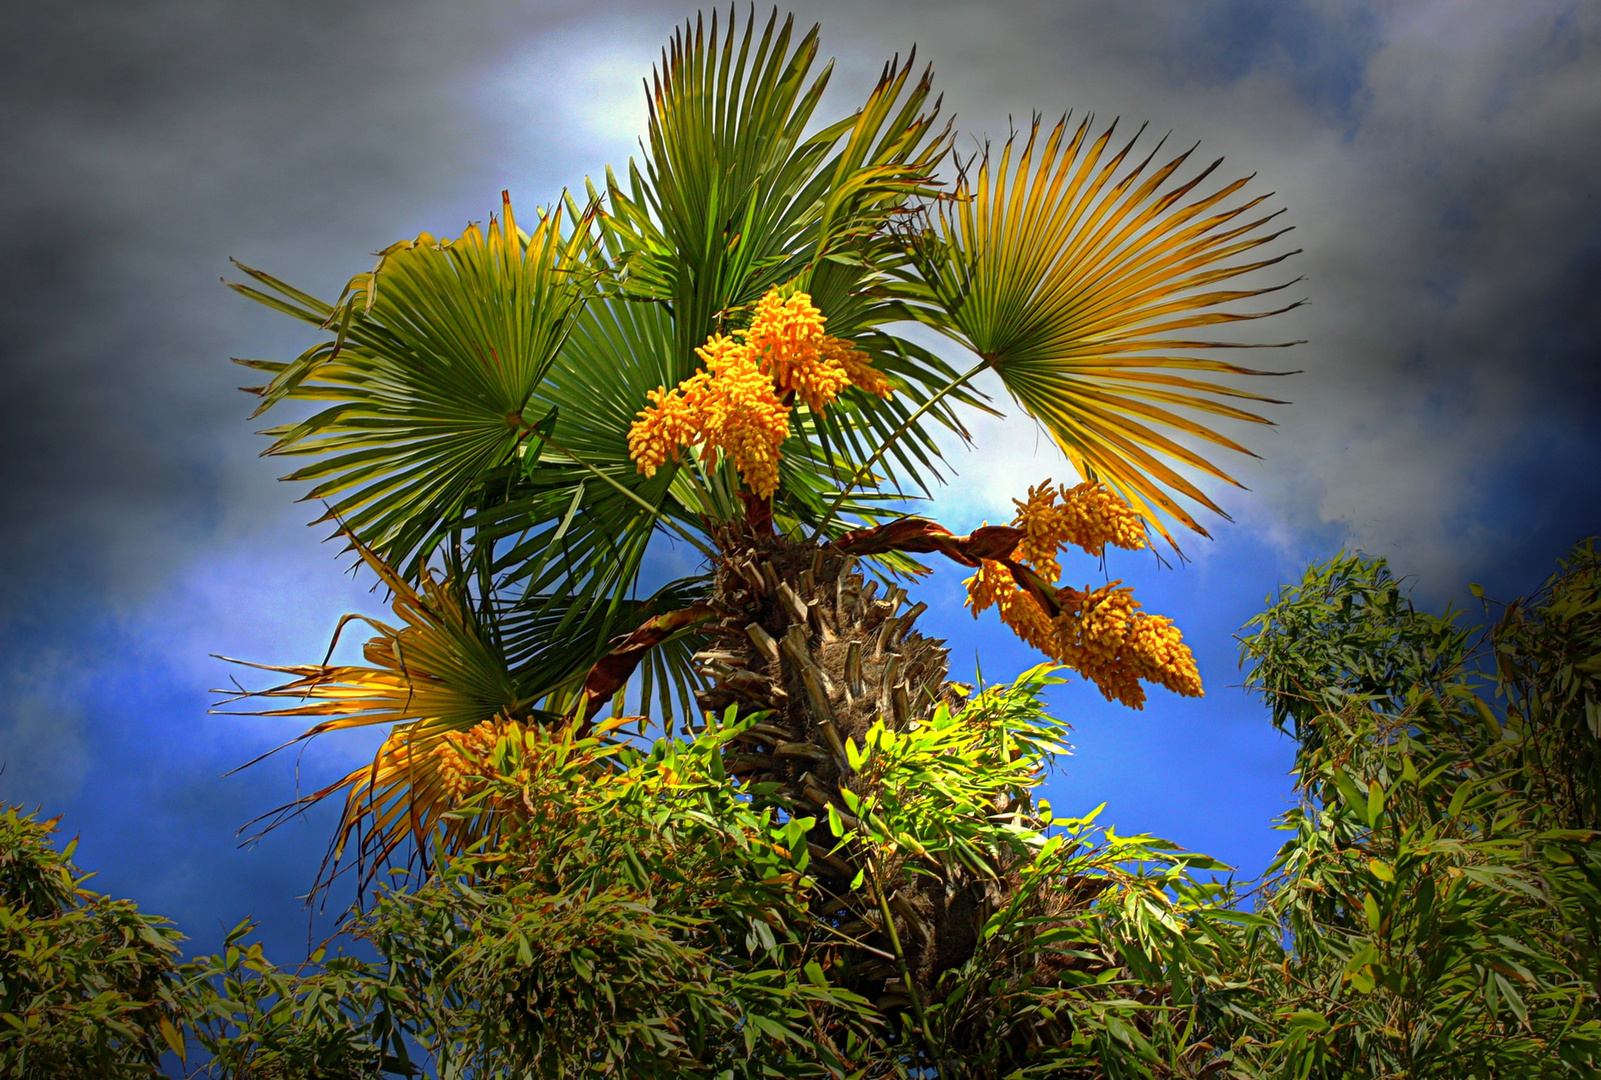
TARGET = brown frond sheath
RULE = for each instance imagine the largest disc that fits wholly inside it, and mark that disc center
(916, 535)
(612, 671)
(919, 536)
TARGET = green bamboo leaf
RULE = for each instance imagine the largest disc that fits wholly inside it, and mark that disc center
(1374, 808)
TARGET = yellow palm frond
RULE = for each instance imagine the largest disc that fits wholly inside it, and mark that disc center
(436, 679)
(1077, 272)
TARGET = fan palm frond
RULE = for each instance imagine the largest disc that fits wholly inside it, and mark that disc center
(435, 679)
(734, 198)
(1077, 272)
(435, 675)
(434, 357)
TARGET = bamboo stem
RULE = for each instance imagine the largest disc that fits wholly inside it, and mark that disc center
(906, 972)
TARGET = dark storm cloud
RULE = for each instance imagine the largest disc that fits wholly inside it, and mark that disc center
(1457, 334)
(1322, 48)
(144, 144)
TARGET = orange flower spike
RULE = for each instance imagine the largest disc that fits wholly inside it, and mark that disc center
(1156, 645)
(787, 339)
(1043, 531)
(1090, 634)
(784, 334)
(1105, 636)
(728, 408)
(1101, 633)
(733, 406)
(987, 586)
(753, 448)
(722, 353)
(453, 770)
(460, 758)
(1087, 516)
(858, 369)
(994, 586)
(742, 416)
(1092, 517)
(1029, 622)
(672, 420)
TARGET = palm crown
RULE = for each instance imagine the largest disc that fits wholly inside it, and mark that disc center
(712, 350)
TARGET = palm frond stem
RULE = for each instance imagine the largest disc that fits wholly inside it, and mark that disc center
(866, 469)
(633, 495)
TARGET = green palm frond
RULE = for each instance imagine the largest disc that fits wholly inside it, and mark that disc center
(553, 518)
(710, 221)
(434, 357)
(436, 673)
(1076, 272)
(734, 198)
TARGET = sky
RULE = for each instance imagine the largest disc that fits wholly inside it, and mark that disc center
(1440, 161)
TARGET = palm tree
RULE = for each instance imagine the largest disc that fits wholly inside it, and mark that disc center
(706, 360)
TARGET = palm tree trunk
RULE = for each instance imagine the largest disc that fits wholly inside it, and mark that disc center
(801, 637)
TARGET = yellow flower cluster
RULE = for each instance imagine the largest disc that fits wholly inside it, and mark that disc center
(994, 586)
(787, 341)
(670, 420)
(459, 758)
(729, 407)
(1101, 634)
(737, 405)
(1088, 516)
(858, 368)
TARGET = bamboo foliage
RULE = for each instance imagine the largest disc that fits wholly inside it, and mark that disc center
(1433, 911)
